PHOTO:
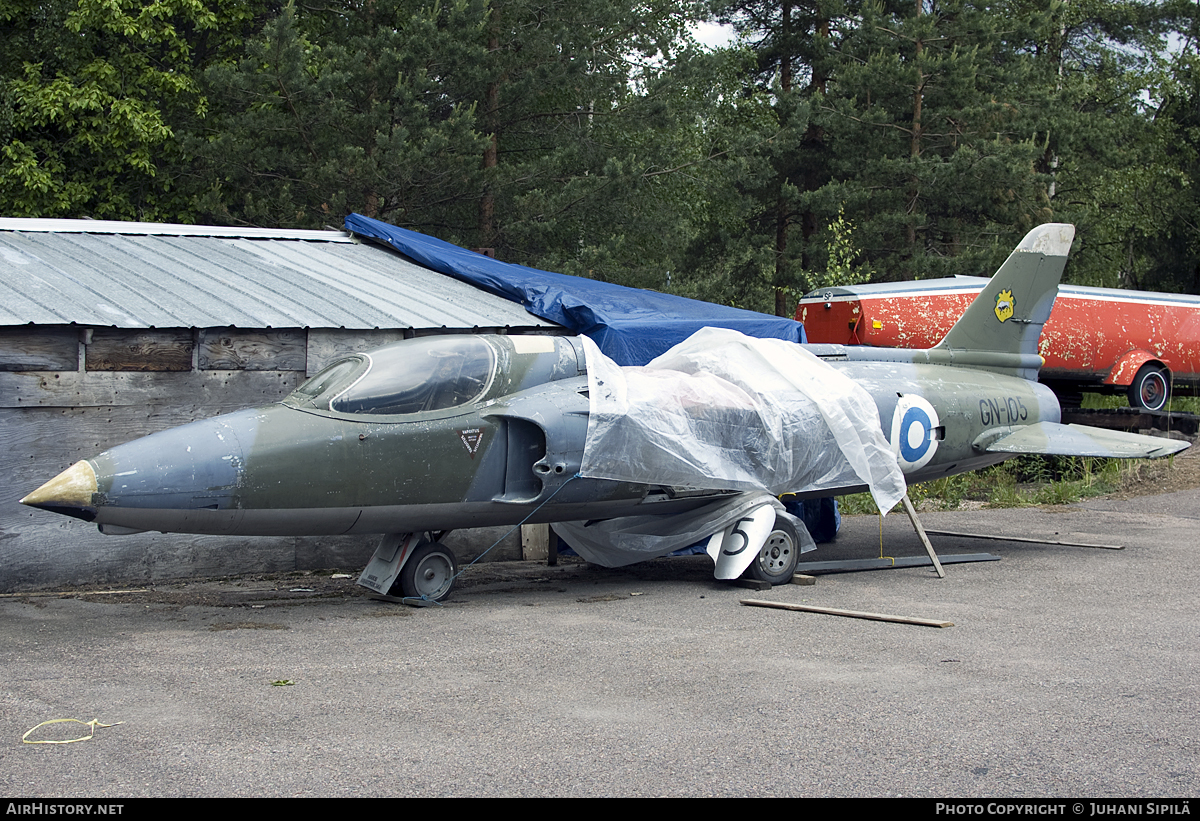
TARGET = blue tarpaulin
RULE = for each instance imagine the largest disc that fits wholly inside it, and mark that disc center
(630, 326)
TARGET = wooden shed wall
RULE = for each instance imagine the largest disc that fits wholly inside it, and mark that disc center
(68, 393)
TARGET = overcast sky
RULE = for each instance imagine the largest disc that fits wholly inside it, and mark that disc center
(712, 34)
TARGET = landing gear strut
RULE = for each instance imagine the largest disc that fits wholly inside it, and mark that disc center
(414, 566)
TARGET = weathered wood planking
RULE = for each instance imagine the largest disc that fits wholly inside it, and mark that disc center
(171, 350)
(117, 349)
(35, 348)
(219, 391)
(231, 349)
(327, 344)
(66, 425)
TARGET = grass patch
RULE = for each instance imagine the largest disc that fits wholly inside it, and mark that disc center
(1107, 401)
(1019, 482)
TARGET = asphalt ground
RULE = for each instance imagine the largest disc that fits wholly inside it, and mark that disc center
(1068, 672)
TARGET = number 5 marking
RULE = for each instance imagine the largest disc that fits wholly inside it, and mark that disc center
(738, 532)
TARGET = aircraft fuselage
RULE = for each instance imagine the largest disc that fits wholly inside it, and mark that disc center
(329, 461)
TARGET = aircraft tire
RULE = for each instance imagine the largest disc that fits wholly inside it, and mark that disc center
(776, 560)
(429, 573)
(1151, 388)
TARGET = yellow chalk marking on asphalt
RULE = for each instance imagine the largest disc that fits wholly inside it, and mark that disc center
(93, 724)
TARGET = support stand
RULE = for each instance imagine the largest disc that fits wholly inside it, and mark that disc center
(916, 523)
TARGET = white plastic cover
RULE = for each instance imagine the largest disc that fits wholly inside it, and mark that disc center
(618, 542)
(725, 411)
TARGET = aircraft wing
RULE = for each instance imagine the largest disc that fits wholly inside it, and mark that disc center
(1057, 439)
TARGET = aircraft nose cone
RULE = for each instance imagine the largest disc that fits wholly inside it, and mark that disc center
(160, 482)
(69, 493)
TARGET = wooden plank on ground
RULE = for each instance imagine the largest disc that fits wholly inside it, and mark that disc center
(998, 538)
(853, 614)
(852, 565)
(70, 594)
(1132, 419)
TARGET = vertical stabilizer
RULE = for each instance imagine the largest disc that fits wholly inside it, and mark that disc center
(1007, 317)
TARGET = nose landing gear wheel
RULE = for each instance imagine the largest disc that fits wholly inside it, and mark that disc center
(428, 574)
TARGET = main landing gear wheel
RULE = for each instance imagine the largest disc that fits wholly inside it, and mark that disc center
(776, 560)
(428, 574)
(1151, 389)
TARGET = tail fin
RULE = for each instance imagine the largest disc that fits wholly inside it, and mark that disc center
(1007, 317)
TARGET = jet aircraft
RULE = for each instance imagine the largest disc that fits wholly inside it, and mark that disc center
(439, 433)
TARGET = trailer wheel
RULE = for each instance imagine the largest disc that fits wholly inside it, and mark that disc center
(1150, 389)
(776, 561)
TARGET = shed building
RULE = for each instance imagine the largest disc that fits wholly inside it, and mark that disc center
(113, 330)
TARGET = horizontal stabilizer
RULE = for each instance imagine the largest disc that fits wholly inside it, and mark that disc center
(1056, 439)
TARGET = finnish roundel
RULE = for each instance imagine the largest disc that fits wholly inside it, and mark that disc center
(913, 425)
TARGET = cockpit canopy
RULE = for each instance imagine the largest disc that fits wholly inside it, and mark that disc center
(414, 376)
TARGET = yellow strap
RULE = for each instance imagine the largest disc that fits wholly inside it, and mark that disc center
(93, 724)
(881, 542)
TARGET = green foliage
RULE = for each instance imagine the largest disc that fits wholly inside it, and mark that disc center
(841, 256)
(601, 117)
(542, 130)
(836, 139)
(938, 108)
(94, 96)
(89, 88)
(342, 111)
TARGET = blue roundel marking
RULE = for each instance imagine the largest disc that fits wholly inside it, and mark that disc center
(914, 416)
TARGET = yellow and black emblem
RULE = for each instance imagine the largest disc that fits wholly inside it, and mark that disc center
(1004, 305)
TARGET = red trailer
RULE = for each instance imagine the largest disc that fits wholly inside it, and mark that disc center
(1097, 339)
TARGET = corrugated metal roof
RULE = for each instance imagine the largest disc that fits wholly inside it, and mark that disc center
(140, 275)
(58, 226)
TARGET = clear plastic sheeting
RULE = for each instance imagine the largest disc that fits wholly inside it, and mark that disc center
(725, 411)
(618, 542)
